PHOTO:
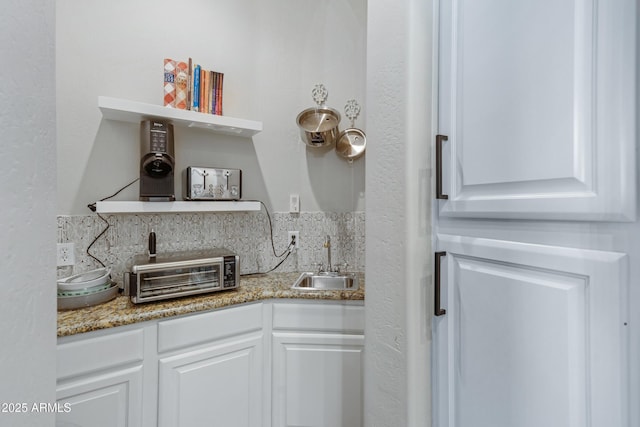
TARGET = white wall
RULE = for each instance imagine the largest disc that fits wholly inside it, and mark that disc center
(398, 254)
(272, 54)
(27, 217)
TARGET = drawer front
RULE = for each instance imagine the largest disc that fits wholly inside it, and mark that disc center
(319, 317)
(200, 328)
(99, 352)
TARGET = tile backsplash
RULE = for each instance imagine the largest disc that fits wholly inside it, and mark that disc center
(245, 233)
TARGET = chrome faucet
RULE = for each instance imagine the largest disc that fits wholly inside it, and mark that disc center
(328, 268)
(327, 246)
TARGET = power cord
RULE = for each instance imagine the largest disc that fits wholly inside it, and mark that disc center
(290, 249)
(287, 251)
(92, 207)
(273, 247)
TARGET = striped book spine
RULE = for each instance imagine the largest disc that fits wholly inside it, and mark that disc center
(182, 85)
(169, 82)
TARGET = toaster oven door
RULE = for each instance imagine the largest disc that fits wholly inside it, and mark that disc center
(180, 280)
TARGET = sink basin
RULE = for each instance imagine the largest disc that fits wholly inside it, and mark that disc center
(327, 281)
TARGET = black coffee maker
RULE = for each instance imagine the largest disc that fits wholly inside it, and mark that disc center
(157, 161)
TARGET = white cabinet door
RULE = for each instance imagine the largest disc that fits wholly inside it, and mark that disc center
(219, 384)
(112, 399)
(317, 380)
(537, 99)
(100, 378)
(533, 335)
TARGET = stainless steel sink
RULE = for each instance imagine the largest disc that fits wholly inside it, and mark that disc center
(327, 281)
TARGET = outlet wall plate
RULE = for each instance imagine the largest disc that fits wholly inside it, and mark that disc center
(294, 203)
(295, 234)
(65, 254)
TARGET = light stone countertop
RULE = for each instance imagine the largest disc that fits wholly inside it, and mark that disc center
(121, 311)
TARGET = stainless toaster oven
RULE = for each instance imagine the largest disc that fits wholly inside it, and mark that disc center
(181, 274)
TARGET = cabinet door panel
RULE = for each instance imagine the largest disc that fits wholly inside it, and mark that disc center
(220, 384)
(317, 380)
(537, 98)
(104, 400)
(533, 335)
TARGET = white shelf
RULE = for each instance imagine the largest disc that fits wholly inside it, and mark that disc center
(134, 112)
(115, 207)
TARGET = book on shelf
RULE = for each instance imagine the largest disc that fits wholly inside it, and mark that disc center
(189, 86)
(212, 90)
(220, 80)
(169, 82)
(196, 88)
(182, 85)
(204, 79)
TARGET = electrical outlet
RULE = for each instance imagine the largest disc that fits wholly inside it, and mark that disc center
(296, 236)
(294, 203)
(66, 254)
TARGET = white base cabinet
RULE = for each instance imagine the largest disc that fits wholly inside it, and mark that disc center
(317, 376)
(107, 400)
(100, 380)
(256, 365)
(218, 382)
(216, 385)
(317, 380)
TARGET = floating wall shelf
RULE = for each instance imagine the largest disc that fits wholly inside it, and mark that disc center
(115, 207)
(134, 112)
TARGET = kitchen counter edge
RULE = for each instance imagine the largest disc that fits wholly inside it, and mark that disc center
(121, 311)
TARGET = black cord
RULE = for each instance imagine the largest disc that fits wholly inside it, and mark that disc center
(273, 247)
(96, 239)
(92, 207)
(287, 251)
(280, 263)
(277, 265)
